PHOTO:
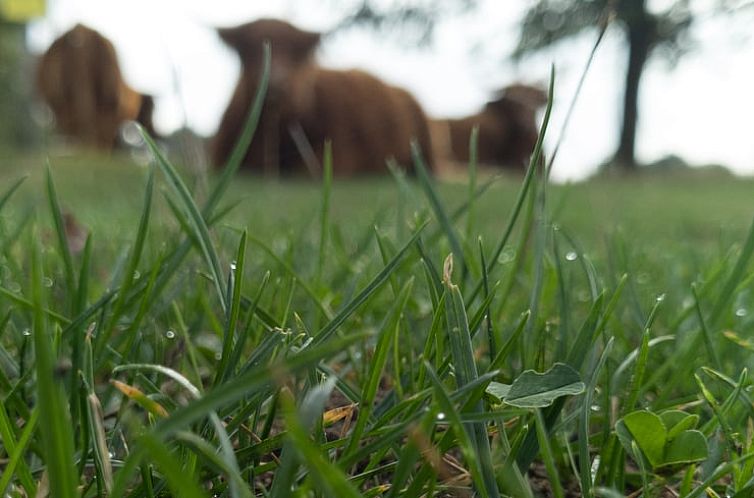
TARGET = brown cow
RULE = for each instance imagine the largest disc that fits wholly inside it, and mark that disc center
(79, 78)
(507, 130)
(366, 119)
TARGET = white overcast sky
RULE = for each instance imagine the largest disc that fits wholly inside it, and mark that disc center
(701, 110)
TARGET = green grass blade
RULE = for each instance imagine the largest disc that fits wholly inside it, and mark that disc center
(15, 450)
(437, 205)
(55, 419)
(586, 407)
(472, 197)
(9, 193)
(328, 330)
(227, 457)
(60, 233)
(468, 448)
(232, 315)
(705, 331)
(16, 457)
(377, 365)
(736, 275)
(198, 224)
(328, 477)
(466, 371)
(136, 250)
(179, 482)
(324, 221)
(244, 140)
(547, 455)
(528, 179)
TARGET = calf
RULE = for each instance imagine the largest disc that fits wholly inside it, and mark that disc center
(366, 119)
(507, 130)
(79, 78)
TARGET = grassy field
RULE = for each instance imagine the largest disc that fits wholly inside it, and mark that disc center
(301, 339)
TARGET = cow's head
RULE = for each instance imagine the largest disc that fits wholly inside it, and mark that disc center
(291, 47)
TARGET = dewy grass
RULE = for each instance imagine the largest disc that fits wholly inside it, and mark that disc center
(297, 350)
(401, 342)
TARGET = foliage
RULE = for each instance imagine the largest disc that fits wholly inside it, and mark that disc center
(283, 346)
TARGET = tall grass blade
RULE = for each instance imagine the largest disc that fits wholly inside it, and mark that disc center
(16, 457)
(14, 449)
(388, 331)
(61, 234)
(198, 224)
(437, 206)
(9, 193)
(328, 330)
(465, 369)
(244, 140)
(55, 419)
(232, 315)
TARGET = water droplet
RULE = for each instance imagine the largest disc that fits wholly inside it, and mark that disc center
(595, 408)
(170, 334)
(218, 356)
(660, 298)
(137, 275)
(571, 256)
(233, 266)
(26, 332)
(741, 312)
(508, 256)
(441, 416)
(47, 282)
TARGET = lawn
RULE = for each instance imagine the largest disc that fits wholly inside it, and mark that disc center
(314, 339)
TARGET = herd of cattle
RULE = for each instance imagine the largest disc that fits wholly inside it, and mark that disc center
(366, 120)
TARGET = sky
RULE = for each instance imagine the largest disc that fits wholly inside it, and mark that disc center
(699, 110)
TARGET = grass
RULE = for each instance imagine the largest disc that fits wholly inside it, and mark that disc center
(295, 339)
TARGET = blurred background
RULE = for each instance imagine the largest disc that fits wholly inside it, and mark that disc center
(686, 99)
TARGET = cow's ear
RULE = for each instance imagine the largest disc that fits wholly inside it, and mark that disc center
(308, 41)
(229, 36)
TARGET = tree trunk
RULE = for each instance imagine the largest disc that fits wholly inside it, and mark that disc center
(640, 33)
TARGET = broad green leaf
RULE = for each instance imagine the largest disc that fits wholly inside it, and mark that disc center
(496, 392)
(687, 447)
(538, 390)
(647, 431)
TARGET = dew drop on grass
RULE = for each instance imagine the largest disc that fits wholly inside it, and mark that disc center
(170, 334)
(233, 266)
(571, 256)
(507, 256)
(137, 275)
(26, 332)
(741, 312)
(218, 356)
(660, 298)
(595, 467)
(47, 282)
(441, 416)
